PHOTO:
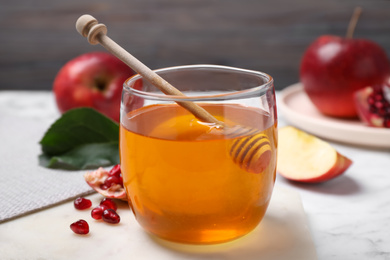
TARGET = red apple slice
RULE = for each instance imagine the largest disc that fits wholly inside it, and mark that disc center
(305, 158)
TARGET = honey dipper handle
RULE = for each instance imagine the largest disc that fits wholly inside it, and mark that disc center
(89, 27)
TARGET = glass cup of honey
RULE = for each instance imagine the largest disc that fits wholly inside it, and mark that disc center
(196, 182)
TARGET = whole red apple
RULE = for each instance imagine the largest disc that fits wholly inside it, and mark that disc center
(92, 80)
(333, 68)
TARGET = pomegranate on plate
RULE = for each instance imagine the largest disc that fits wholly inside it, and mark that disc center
(373, 105)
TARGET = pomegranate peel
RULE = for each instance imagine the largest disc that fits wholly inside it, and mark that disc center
(96, 180)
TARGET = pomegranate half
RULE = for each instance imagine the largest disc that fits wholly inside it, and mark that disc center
(373, 105)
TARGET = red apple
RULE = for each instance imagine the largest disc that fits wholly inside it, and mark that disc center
(92, 80)
(333, 68)
(305, 158)
(373, 105)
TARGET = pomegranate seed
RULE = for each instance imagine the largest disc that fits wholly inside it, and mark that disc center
(109, 203)
(115, 171)
(370, 100)
(386, 123)
(378, 95)
(104, 187)
(82, 203)
(379, 104)
(381, 112)
(80, 227)
(97, 212)
(110, 216)
(111, 180)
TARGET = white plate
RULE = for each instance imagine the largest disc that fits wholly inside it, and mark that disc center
(298, 110)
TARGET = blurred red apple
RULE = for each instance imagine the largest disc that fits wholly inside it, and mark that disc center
(373, 105)
(305, 158)
(333, 68)
(92, 80)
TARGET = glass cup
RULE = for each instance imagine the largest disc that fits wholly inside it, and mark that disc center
(196, 182)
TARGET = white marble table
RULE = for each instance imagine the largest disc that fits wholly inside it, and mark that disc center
(349, 217)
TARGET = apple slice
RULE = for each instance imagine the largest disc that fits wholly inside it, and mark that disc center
(305, 158)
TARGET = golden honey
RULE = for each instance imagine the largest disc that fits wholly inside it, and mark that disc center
(181, 179)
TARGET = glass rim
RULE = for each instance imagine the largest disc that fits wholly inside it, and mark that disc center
(261, 89)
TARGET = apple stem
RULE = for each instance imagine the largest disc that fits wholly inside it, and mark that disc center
(352, 23)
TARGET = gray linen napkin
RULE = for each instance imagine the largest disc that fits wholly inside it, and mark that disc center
(25, 186)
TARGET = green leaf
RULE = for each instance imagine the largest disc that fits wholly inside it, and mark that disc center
(77, 127)
(80, 139)
(88, 156)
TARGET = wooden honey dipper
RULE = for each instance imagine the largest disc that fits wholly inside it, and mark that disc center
(252, 152)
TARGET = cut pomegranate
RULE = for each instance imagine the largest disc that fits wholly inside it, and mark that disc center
(82, 203)
(97, 180)
(97, 212)
(115, 171)
(109, 203)
(80, 227)
(373, 105)
(110, 216)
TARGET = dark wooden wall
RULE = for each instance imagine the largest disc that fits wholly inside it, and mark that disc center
(38, 37)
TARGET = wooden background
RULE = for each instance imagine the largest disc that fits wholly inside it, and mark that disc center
(38, 37)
